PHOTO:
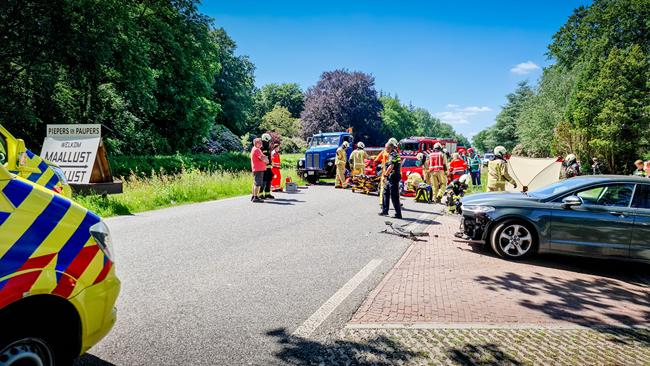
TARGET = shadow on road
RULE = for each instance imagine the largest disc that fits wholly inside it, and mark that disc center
(479, 355)
(302, 351)
(90, 360)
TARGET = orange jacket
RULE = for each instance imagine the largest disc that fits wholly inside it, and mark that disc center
(436, 161)
(457, 166)
(275, 159)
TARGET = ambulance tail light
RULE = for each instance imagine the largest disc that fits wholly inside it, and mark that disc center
(102, 236)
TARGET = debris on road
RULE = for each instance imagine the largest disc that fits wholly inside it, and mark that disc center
(399, 231)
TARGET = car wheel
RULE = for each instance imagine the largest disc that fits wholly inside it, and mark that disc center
(513, 240)
(27, 351)
(312, 179)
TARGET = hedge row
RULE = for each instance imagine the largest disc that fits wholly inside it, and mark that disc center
(144, 166)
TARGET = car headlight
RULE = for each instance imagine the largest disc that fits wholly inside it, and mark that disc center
(330, 163)
(102, 236)
(301, 163)
(478, 209)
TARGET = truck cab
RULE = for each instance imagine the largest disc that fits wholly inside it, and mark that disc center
(416, 144)
(321, 153)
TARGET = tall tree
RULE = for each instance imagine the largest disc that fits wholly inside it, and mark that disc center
(343, 99)
(505, 128)
(234, 85)
(287, 95)
(397, 120)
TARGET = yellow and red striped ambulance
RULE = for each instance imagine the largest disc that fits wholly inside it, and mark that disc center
(21, 161)
(57, 279)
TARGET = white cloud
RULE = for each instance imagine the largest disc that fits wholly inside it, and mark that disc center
(457, 115)
(525, 68)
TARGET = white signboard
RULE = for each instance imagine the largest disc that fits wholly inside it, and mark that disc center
(74, 149)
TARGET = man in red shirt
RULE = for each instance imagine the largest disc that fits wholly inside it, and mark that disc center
(258, 166)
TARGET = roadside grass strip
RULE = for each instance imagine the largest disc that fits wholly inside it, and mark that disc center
(160, 191)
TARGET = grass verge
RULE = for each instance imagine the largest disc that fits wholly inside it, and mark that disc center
(160, 191)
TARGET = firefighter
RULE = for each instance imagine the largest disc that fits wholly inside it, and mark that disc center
(276, 165)
(437, 171)
(455, 191)
(457, 166)
(498, 171)
(639, 172)
(392, 177)
(474, 167)
(570, 167)
(381, 161)
(340, 162)
(268, 174)
(358, 159)
(413, 181)
(424, 163)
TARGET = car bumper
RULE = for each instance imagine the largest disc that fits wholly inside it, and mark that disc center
(96, 307)
(475, 225)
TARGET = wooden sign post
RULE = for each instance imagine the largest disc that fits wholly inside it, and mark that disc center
(79, 151)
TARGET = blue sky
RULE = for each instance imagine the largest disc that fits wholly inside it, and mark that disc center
(457, 59)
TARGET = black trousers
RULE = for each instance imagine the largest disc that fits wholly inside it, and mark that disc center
(268, 177)
(391, 194)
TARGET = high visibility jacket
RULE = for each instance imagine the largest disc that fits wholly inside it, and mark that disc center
(341, 156)
(498, 173)
(474, 163)
(358, 159)
(413, 181)
(437, 161)
(458, 166)
(275, 159)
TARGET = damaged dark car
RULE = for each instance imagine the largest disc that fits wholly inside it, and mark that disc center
(594, 216)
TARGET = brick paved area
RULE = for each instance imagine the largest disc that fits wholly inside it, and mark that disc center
(474, 347)
(447, 281)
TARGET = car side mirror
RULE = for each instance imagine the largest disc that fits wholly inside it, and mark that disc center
(571, 201)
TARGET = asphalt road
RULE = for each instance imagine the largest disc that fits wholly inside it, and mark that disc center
(227, 282)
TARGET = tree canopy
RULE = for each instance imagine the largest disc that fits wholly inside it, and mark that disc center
(343, 99)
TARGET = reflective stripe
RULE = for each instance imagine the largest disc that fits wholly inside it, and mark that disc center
(23, 248)
(76, 242)
(16, 191)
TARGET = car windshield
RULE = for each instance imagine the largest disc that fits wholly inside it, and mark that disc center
(409, 163)
(324, 141)
(408, 146)
(489, 156)
(558, 187)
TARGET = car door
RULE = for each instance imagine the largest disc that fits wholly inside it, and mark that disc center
(601, 226)
(640, 246)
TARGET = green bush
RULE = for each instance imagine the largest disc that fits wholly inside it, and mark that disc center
(146, 166)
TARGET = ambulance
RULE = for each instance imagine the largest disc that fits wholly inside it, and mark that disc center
(20, 161)
(58, 285)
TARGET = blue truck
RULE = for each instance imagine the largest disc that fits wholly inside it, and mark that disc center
(321, 153)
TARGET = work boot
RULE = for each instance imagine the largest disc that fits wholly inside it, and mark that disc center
(258, 200)
(269, 197)
(397, 216)
(383, 213)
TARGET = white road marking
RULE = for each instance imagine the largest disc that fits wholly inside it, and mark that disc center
(314, 321)
(465, 326)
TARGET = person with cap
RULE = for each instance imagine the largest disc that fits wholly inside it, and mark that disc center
(437, 171)
(358, 159)
(392, 177)
(340, 162)
(474, 164)
(380, 162)
(639, 172)
(268, 173)
(570, 167)
(498, 171)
